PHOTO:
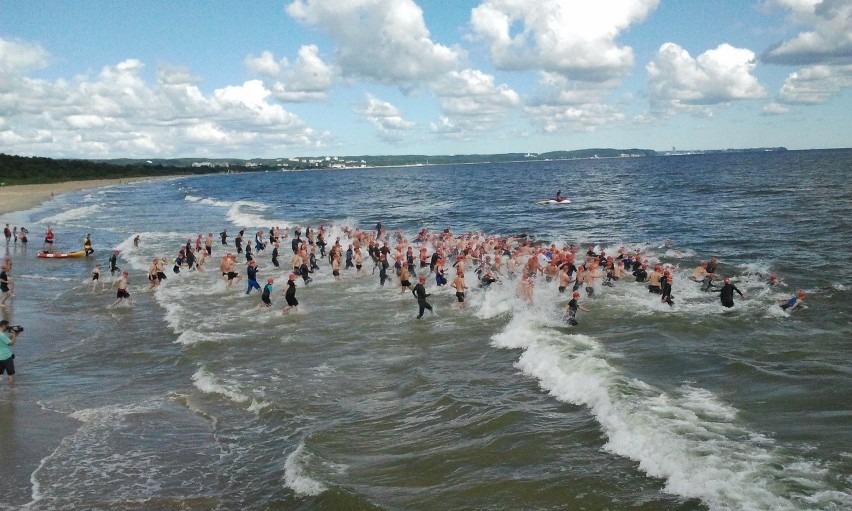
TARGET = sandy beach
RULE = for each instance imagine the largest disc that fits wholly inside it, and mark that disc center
(23, 197)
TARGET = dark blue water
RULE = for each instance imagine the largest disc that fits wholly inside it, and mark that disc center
(193, 399)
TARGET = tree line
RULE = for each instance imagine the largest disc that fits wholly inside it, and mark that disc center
(20, 170)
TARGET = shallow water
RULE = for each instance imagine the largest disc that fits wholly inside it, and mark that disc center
(192, 399)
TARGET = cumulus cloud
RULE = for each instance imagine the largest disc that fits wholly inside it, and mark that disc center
(815, 84)
(572, 105)
(471, 102)
(679, 82)
(386, 118)
(385, 41)
(828, 39)
(21, 56)
(117, 113)
(576, 39)
(308, 79)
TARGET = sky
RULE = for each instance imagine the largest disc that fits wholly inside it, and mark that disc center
(268, 79)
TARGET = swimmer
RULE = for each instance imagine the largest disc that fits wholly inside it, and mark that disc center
(251, 277)
(460, 287)
(122, 293)
(420, 293)
(726, 293)
(265, 300)
(793, 302)
(96, 275)
(290, 293)
(572, 308)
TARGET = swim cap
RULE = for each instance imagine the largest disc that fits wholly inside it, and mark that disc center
(292, 276)
(726, 280)
(423, 278)
(576, 294)
(269, 280)
(801, 294)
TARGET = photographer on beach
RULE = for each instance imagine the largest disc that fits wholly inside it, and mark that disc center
(8, 336)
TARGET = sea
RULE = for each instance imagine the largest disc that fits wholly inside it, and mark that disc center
(192, 398)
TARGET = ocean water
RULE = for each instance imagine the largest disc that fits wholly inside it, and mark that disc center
(192, 398)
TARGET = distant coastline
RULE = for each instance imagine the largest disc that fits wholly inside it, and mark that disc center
(23, 170)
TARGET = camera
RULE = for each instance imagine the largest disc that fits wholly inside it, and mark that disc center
(15, 328)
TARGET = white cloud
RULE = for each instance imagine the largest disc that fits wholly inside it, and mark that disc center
(576, 39)
(775, 109)
(572, 105)
(116, 113)
(386, 118)
(20, 56)
(471, 102)
(307, 79)
(815, 84)
(828, 40)
(718, 76)
(385, 41)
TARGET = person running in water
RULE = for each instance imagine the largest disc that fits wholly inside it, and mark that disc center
(290, 293)
(420, 293)
(572, 308)
(265, 295)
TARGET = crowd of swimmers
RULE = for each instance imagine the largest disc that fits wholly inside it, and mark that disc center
(452, 260)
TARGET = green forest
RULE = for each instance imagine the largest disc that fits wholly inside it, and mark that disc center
(22, 170)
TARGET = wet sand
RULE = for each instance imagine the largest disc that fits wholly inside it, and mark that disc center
(23, 197)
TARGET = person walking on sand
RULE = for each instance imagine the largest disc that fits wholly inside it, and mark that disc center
(122, 293)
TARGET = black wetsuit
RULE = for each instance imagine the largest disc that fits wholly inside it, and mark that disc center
(113, 261)
(238, 242)
(726, 294)
(290, 294)
(295, 244)
(420, 293)
(666, 287)
(224, 236)
(275, 256)
(573, 306)
(640, 274)
(383, 271)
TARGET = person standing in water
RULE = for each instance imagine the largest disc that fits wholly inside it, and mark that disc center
(726, 293)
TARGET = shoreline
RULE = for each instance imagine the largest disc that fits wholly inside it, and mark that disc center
(14, 198)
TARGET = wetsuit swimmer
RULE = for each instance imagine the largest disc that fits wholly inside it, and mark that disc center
(290, 293)
(572, 308)
(265, 294)
(238, 242)
(726, 294)
(666, 289)
(224, 235)
(383, 270)
(275, 254)
(251, 272)
(420, 293)
(113, 262)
